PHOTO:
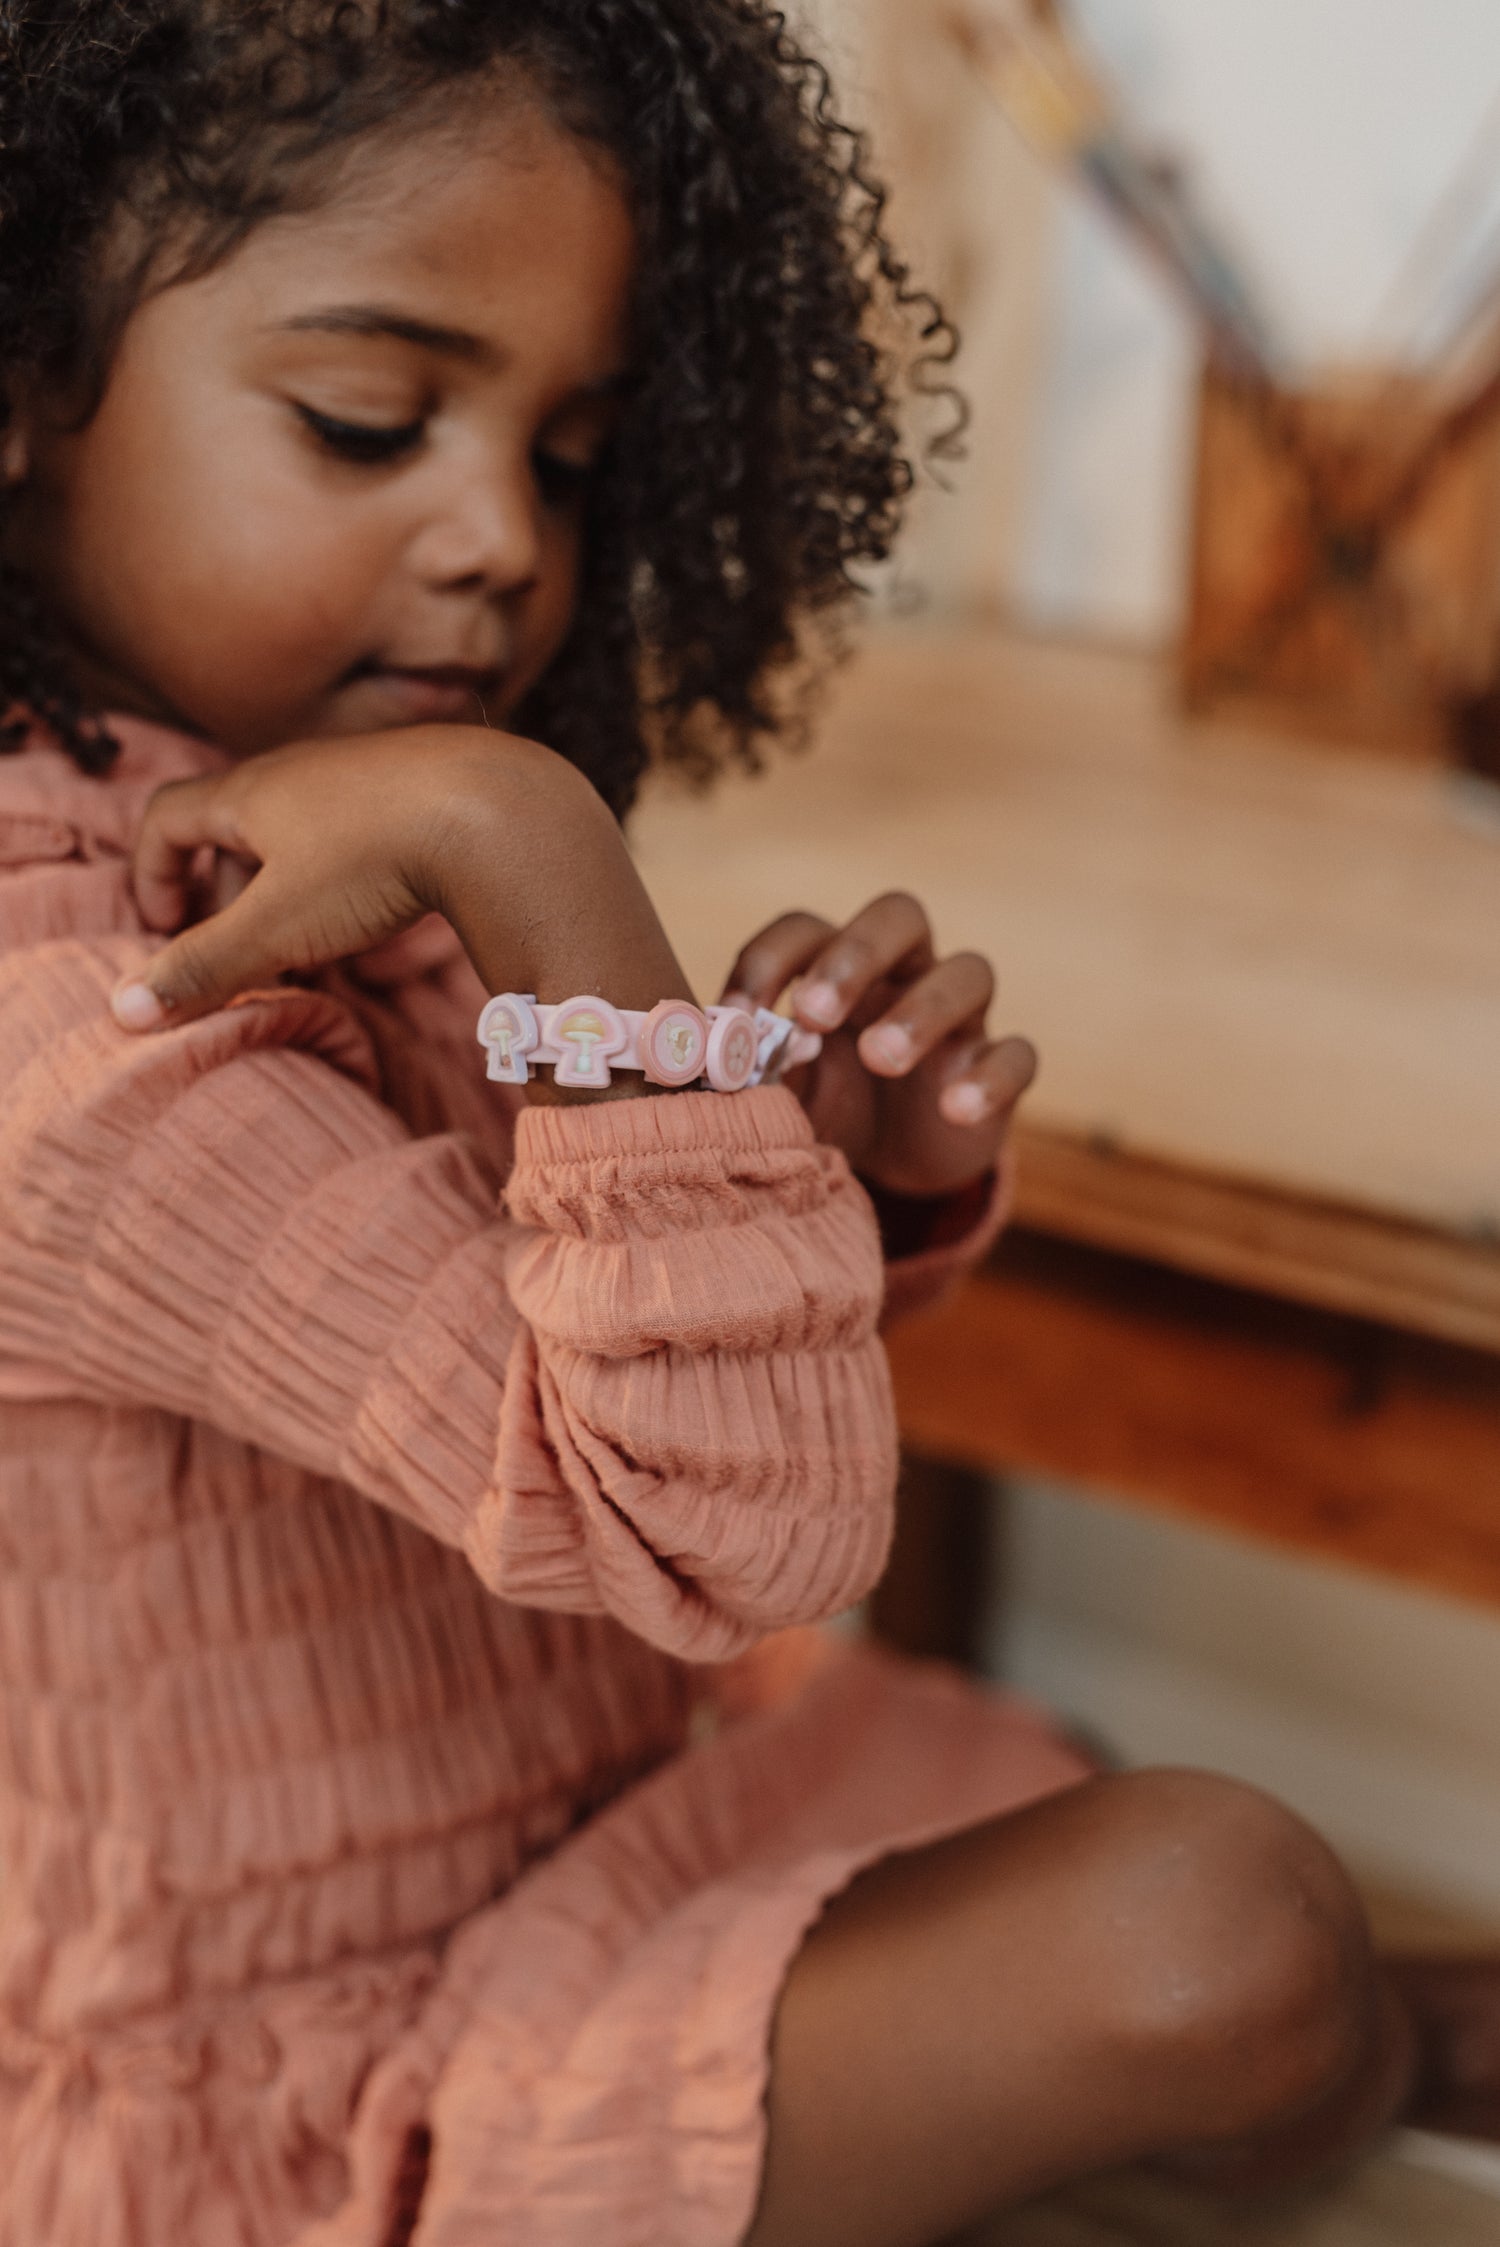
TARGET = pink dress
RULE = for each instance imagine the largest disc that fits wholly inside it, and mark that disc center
(394, 1489)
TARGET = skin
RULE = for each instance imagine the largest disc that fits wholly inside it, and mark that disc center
(1160, 1965)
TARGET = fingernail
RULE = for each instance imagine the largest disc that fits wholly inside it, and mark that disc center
(821, 1002)
(136, 1007)
(965, 1104)
(741, 999)
(890, 1044)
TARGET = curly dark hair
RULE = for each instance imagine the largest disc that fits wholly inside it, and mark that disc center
(759, 465)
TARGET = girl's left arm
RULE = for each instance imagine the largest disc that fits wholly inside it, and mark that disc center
(645, 1382)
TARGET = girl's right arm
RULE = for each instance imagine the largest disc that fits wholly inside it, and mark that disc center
(647, 1383)
(351, 840)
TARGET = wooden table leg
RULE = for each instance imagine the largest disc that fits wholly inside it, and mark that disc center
(934, 1597)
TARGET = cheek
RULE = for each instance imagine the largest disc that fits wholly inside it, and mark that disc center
(277, 592)
(241, 562)
(210, 570)
(550, 610)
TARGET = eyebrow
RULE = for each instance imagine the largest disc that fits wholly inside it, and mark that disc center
(381, 320)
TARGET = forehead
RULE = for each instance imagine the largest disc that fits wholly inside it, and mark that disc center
(494, 221)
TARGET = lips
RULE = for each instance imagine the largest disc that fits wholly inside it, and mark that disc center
(448, 674)
(472, 678)
(412, 692)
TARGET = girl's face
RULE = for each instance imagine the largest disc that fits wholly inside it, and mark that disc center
(338, 484)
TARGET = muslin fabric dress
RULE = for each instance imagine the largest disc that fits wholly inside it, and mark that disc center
(400, 1493)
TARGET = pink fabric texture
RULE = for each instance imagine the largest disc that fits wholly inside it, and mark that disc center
(394, 1484)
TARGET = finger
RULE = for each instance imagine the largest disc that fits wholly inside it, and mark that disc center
(989, 1085)
(249, 944)
(892, 932)
(180, 818)
(770, 960)
(951, 997)
(217, 880)
(229, 880)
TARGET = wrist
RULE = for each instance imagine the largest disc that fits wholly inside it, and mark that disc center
(912, 1224)
(530, 867)
(546, 1092)
(628, 962)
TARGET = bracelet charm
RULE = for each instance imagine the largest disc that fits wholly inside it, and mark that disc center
(732, 1050)
(509, 1028)
(676, 1044)
(586, 1032)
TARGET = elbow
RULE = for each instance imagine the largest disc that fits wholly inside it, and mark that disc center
(704, 1502)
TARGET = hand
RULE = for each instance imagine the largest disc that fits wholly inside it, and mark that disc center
(326, 848)
(908, 1084)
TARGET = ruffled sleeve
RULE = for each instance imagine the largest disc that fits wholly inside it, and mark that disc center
(645, 1380)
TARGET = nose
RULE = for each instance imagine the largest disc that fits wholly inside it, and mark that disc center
(484, 534)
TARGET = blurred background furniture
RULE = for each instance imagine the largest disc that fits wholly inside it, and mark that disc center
(1255, 1268)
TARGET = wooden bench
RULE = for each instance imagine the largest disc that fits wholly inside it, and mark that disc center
(1255, 1272)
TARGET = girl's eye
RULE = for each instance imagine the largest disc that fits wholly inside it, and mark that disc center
(369, 443)
(560, 481)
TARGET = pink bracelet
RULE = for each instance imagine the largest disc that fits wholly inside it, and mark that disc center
(675, 1044)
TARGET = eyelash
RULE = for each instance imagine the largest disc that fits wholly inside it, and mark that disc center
(560, 481)
(366, 443)
(369, 445)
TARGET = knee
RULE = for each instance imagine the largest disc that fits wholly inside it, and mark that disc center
(1243, 1959)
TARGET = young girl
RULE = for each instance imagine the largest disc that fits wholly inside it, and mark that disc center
(398, 1470)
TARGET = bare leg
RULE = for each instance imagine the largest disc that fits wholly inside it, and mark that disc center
(1160, 1964)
